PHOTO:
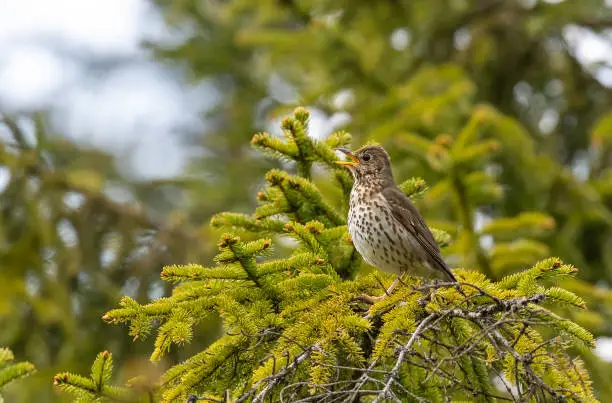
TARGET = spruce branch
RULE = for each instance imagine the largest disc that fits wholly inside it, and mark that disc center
(10, 371)
(414, 187)
(247, 223)
(299, 199)
(296, 328)
(98, 388)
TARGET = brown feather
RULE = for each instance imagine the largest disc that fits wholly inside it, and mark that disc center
(409, 216)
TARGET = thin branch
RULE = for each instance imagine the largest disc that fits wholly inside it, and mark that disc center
(392, 377)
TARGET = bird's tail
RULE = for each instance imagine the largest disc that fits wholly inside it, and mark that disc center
(451, 277)
(448, 273)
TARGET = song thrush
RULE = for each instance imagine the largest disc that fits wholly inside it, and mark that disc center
(387, 229)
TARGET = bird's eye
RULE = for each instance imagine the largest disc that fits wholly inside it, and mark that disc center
(366, 157)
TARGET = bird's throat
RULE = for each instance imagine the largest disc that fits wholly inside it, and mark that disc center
(370, 183)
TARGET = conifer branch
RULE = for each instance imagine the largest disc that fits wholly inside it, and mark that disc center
(10, 371)
(296, 329)
(97, 386)
(279, 376)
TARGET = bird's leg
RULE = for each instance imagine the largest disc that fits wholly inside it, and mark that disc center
(394, 284)
(371, 300)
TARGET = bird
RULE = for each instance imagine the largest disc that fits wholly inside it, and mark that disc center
(385, 226)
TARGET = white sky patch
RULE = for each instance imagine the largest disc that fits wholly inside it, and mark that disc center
(549, 120)
(106, 28)
(280, 90)
(400, 39)
(343, 99)
(588, 46)
(462, 38)
(603, 348)
(592, 50)
(140, 109)
(31, 77)
(581, 165)
(5, 177)
(50, 58)
(480, 220)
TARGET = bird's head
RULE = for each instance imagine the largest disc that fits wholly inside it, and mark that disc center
(369, 163)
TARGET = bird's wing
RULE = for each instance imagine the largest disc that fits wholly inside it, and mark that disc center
(407, 214)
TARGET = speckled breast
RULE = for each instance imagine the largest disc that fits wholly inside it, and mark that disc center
(378, 237)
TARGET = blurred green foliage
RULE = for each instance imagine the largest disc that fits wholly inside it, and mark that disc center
(424, 78)
(10, 371)
(74, 238)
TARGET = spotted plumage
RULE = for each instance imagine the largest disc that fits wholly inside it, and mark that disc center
(387, 229)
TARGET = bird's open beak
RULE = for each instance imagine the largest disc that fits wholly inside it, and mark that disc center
(354, 160)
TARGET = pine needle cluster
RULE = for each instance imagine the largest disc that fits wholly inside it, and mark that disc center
(10, 371)
(296, 328)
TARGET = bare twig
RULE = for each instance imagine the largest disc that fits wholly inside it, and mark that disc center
(392, 377)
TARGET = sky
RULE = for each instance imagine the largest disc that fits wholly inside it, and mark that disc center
(88, 67)
(50, 58)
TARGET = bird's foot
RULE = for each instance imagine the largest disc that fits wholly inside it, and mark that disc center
(368, 299)
(372, 300)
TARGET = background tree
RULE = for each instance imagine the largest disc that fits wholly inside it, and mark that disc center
(74, 237)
